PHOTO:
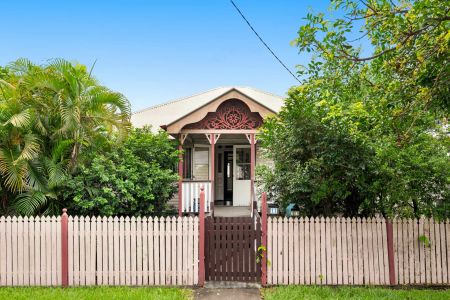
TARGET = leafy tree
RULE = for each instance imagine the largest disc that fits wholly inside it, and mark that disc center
(137, 178)
(366, 133)
(48, 115)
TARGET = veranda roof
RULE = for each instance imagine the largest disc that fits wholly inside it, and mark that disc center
(166, 113)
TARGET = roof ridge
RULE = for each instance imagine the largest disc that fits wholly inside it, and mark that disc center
(178, 99)
(262, 91)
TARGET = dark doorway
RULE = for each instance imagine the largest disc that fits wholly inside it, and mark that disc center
(228, 172)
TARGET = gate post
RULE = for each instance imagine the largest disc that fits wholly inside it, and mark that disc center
(264, 238)
(201, 250)
(64, 248)
(390, 250)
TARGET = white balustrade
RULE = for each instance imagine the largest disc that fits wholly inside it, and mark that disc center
(191, 196)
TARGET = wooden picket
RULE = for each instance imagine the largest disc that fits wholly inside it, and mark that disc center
(231, 245)
(102, 251)
(422, 246)
(349, 251)
(30, 250)
(164, 251)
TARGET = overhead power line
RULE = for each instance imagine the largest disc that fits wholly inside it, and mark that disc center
(262, 41)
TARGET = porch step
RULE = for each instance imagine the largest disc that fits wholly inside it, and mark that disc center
(231, 211)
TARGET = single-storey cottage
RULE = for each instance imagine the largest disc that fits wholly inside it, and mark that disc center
(217, 132)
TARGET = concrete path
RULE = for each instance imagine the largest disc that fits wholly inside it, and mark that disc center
(227, 294)
(231, 211)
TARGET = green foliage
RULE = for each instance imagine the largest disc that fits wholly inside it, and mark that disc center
(425, 241)
(136, 178)
(321, 277)
(50, 114)
(300, 292)
(367, 135)
(260, 253)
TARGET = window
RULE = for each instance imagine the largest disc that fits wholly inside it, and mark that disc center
(243, 163)
(201, 163)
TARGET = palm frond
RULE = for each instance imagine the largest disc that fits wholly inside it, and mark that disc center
(40, 127)
(56, 173)
(20, 120)
(21, 66)
(6, 84)
(60, 149)
(30, 149)
(13, 171)
(35, 176)
(29, 203)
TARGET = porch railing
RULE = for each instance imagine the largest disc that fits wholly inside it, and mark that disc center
(191, 196)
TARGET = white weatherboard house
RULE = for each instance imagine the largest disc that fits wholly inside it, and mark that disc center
(217, 132)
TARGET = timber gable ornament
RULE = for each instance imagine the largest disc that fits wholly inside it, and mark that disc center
(231, 114)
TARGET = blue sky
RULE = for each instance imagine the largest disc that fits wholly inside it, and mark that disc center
(155, 51)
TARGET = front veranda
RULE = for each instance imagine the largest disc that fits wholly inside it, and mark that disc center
(219, 153)
(224, 164)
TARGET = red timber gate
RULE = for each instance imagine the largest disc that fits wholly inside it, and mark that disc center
(231, 245)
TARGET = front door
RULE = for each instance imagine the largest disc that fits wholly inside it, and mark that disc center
(241, 178)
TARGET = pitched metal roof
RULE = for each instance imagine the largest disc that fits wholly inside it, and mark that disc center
(166, 113)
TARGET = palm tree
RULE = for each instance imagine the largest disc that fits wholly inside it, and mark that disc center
(48, 115)
(19, 145)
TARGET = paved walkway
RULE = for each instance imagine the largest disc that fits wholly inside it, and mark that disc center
(227, 294)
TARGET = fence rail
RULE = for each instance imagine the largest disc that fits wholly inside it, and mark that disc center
(102, 251)
(344, 251)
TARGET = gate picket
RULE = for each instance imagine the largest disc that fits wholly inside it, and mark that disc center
(258, 241)
(231, 245)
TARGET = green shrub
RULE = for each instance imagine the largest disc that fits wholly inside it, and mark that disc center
(133, 178)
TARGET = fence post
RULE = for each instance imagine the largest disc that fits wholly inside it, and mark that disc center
(264, 238)
(64, 248)
(201, 250)
(390, 249)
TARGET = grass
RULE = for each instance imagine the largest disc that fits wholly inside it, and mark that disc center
(366, 293)
(95, 293)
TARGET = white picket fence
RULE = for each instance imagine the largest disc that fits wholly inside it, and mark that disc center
(165, 251)
(422, 251)
(147, 251)
(344, 251)
(30, 251)
(102, 251)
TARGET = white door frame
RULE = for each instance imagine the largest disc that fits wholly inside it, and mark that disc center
(241, 188)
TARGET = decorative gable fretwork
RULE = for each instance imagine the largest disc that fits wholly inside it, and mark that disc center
(231, 114)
